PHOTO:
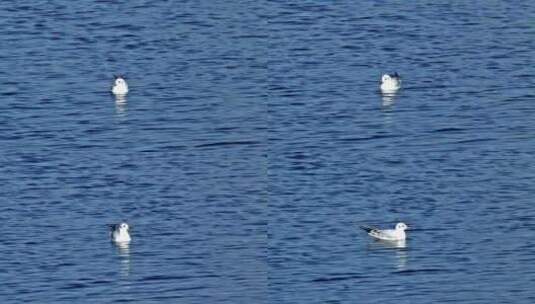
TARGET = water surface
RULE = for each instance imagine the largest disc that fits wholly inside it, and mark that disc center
(254, 141)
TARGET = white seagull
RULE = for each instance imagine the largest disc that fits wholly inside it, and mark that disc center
(120, 88)
(119, 233)
(390, 83)
(397, 234)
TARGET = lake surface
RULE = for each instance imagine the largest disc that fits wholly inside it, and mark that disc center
(253, 143)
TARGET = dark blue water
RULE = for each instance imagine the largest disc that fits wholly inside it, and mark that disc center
(451, 154)
(253, 142)
(183, 160)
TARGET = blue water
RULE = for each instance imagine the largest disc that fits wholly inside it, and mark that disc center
(182, 160)
(253, 143)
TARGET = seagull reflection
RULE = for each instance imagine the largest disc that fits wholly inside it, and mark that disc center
(120, 98)
(120, 105)
(388, 99)
(387, 107)
(401, 256)
(385, 244)
(123, 251)
(399, 246)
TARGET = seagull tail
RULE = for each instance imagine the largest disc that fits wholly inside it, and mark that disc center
(366, 228)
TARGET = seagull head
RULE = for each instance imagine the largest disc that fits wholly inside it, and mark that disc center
(385, 78)
(401, 226)
(124, 227)
(119, 80)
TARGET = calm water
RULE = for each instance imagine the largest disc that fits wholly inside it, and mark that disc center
(254, 141)
(183, 160)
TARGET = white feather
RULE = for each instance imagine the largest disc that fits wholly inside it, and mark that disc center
(120, 87)
(390, 83)
(120, 234)
(397, 234)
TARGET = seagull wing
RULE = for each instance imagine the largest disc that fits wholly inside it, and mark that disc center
(113, 227)
(372, 230)
(387, 234)
(367, 228)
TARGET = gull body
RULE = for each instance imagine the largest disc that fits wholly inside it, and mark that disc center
(397, 234)
(120, 87)
(390, 83)
(119, 233)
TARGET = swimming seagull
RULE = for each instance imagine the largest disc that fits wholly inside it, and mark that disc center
(120, 88)
(119, 233)
(390, 83)
(397, 234)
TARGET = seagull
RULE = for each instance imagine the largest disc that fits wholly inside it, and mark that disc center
(119, 233)
(397, 234)
(120, 88)
(390, 83)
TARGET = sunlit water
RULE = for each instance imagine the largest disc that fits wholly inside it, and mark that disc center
(253, 142)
